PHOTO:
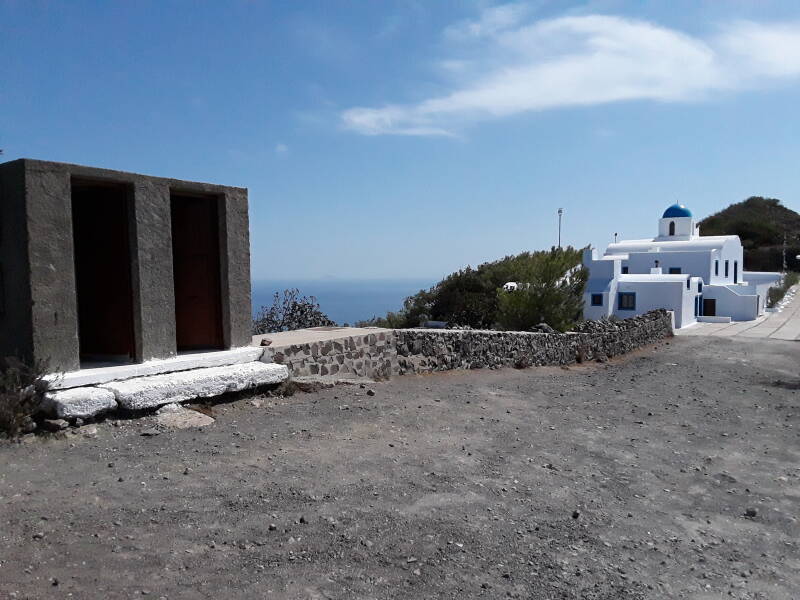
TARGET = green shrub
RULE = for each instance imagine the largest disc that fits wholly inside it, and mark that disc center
(545, 296)
(470, 296)
(22, 388)
(776, 294)
(392, 320)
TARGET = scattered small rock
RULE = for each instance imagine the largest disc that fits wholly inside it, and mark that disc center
(54, 424)
(28, 425)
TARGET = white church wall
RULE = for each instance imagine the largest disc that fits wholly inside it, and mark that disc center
(737, 306)
(697, 264)
(602, 280)
(715, 272)
(762, 278)
(599, 268)
(684, 227)
(762, 291)
(650, 295)
(759, 283)
(608, 291)
(733, 253)
(689, 302)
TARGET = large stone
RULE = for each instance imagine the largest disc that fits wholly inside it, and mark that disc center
(176, 416)
(154, 391)
(80, 402)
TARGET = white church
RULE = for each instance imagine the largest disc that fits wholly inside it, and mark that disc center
(699, 278)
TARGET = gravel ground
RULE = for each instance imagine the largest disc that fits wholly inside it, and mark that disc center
(669, 473)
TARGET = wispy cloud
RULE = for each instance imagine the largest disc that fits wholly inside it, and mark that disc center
(492, 21)
(281, 149)
(502, 64)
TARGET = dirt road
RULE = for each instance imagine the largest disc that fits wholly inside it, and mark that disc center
(670, 473)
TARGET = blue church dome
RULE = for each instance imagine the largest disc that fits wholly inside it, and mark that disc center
(677, 210)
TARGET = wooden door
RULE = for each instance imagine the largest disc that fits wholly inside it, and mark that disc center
(100, 224)
(196, 271)
(709, 307)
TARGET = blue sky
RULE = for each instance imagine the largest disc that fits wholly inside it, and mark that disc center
(385, 139)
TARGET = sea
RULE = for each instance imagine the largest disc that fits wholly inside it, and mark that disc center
(345, 301)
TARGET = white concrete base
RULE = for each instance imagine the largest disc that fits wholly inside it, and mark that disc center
(156, 390)
(79, 403)
(184, 362)
(713, 319)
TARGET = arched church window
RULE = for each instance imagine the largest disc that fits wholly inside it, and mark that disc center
(672, 227)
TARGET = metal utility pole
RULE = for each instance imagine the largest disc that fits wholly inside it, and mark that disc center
(560, 213)
(784, 252)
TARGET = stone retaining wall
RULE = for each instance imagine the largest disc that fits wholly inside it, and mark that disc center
(399, 351)
(373, 355)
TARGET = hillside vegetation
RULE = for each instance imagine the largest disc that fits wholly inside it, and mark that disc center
(760, 223)
(474, 296)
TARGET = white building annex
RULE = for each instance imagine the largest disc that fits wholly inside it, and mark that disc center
(699, 278)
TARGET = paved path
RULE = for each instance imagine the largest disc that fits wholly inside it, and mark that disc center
(784, 325)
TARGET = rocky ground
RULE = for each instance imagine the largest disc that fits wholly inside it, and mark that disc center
(670, 473)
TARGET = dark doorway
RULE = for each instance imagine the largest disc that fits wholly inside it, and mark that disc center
(196, 269)
(100, 225)
(709, 307)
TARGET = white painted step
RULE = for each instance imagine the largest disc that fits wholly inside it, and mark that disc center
(183, 362)
(82, 402)
(156, 390)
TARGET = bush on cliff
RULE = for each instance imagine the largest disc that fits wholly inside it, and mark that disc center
(548, 296)
(290, 312)
(470, 297)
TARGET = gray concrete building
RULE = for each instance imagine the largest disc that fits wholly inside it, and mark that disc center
(103, 267)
